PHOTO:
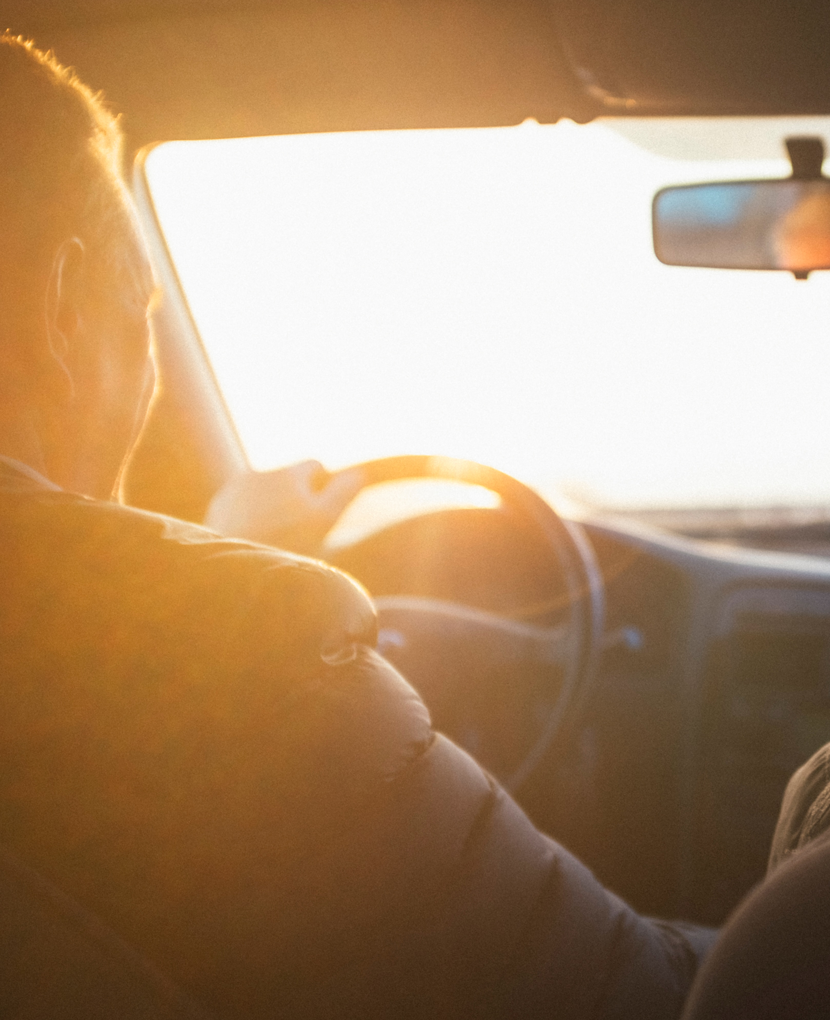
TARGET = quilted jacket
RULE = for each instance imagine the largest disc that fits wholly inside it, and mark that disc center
(200, 746)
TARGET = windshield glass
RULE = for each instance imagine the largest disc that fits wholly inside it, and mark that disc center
(493, 294)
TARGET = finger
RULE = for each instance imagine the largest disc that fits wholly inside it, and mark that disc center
(309, 475)
(342, 489)
(319, 478)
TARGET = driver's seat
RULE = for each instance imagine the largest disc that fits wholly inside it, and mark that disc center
(772, 961)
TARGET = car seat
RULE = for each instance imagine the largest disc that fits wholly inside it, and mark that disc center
(772, 960)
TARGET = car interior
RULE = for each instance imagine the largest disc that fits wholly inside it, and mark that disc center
(680, 647)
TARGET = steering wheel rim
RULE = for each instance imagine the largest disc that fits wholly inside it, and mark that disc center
(580, 571)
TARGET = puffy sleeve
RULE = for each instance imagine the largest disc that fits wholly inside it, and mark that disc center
(199, 743)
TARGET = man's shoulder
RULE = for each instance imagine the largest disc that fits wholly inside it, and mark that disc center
(97, 566)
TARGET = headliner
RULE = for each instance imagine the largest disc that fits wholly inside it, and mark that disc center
(219, 68)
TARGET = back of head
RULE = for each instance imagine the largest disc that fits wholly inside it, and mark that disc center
(60, 174)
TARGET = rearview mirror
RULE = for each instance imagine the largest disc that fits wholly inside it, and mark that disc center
(750, 224)
(782, 224)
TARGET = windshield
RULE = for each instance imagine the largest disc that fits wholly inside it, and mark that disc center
(493, 294)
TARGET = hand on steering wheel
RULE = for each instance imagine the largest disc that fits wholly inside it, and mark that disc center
(293, 507)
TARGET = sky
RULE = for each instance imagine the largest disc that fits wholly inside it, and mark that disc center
(493, 294)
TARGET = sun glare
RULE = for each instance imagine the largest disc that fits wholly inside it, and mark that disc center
(492, 294)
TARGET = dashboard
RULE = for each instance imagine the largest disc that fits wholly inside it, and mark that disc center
(714, 688)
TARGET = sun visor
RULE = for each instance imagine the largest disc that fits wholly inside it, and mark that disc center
(707, 57)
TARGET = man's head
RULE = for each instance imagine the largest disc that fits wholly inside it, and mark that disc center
(75, 373)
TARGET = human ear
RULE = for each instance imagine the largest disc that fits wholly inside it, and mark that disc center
(63, 311)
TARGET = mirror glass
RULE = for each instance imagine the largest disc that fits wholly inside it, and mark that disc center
(783, 224)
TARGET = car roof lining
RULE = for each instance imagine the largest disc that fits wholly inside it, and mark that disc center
(314, 65)
(230, 68)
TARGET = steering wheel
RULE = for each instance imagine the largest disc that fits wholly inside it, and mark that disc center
(570, 650)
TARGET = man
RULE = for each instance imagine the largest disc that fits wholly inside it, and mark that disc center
(197, 741)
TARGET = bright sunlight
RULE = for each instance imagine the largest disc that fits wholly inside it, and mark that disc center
(493, 294)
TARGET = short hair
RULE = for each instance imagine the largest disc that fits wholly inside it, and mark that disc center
(60, 167)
